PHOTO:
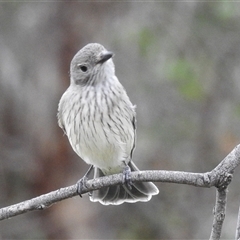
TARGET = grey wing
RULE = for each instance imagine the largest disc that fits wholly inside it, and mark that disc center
(60, 118)
(134, 121)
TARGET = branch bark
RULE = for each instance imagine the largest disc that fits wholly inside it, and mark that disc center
(219, 177)
(219, 212)
(237, 235)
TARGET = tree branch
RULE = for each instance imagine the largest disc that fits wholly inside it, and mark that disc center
(219, 177)
(237, 235)
(219, 212)
(46, 200)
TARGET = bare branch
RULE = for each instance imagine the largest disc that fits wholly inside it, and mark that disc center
(46, 200)
(38, 203)
(219, 177)
(237, 235)
(219, 213)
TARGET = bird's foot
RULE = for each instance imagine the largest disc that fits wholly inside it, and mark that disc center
(127, 176)
(81, 183)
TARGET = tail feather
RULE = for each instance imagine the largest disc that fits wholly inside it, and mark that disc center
(115, 195)
(143, 187)
(111, 193)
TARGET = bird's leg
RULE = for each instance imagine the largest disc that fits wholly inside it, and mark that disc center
(127, 176)
(82, 182)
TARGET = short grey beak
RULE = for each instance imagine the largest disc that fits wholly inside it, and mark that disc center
(104, 57)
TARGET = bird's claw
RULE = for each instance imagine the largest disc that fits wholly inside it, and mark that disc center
(127, 177)
(81, 184)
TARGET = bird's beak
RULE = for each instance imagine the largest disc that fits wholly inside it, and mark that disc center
(104, 56)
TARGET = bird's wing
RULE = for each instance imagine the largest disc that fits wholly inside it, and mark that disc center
(59, 116)
(134, 140)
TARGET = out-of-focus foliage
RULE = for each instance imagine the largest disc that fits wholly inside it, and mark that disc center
(182, 72)
(179, 62)
(145, 39)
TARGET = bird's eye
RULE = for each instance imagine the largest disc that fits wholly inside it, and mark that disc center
(83, 68)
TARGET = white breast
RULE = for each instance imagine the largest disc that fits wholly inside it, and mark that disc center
(98, 123)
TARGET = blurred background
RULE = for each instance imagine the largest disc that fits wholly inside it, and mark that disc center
(180, 64)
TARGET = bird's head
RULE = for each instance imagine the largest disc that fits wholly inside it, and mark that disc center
(91, 65)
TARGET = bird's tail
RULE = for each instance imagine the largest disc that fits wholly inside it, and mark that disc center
(115, 195)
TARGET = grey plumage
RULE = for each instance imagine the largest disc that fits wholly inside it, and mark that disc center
(99, 120)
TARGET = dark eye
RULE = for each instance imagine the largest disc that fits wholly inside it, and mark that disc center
(83, 68)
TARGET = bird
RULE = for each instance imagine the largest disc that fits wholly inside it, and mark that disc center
(99, 120)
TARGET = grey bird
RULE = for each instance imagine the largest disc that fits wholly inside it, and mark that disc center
(100, 122)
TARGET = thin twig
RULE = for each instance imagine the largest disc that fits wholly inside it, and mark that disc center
(46, 200)
(219, 177)
(38, 203)
(237, 235)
